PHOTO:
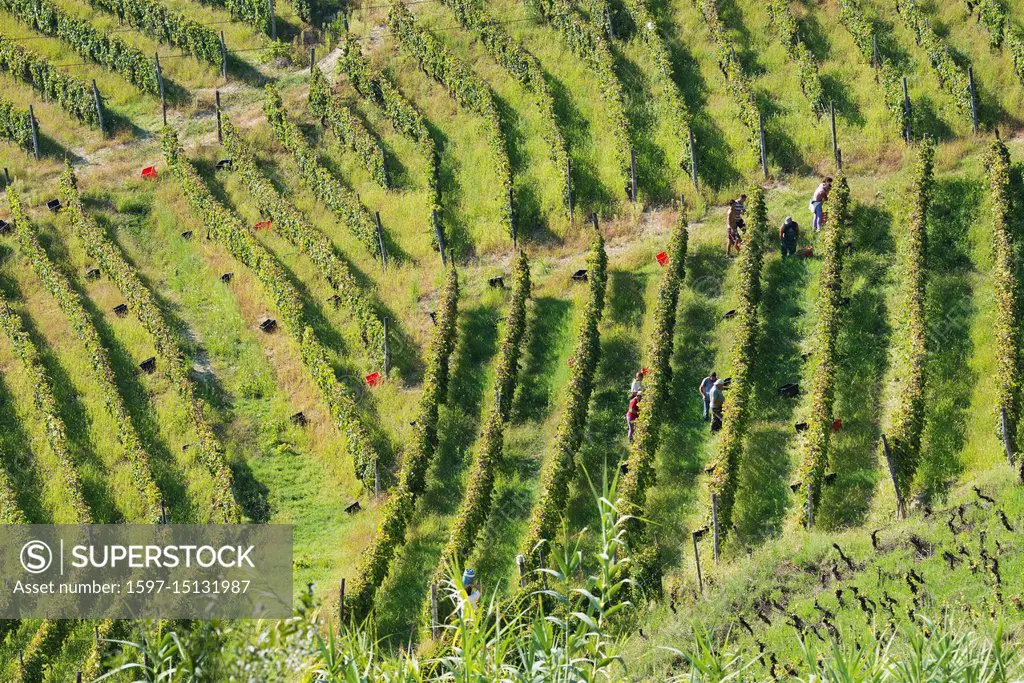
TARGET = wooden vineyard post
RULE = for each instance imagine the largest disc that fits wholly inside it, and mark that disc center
(632, 175)
(875, 61)
(273, 20)
(312, 59)
(521, 563)
(764, 147)
(223, 57)
(341, 603)
(901, 507)
(696, 558)
(906, 111)
(1007, 441)
(99, 107)
(380, 239)
(433, 611)
(714, 523)
(974, 98)
(568, 185)
(440, 238)
(693, 159)
(593, 219)
(376, 479)
(160, 82)
(78, 677)
(835, 144)
(216, 97)
(163, 511)
(34, 125)
(7, 176)
(387, 352)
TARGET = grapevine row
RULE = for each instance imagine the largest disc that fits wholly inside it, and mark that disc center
(907, 420)
(640, 473)
(477, 502)
(87, 40)
(106, 631)
(72, 94)
(951, 77)
(405, 118)
(292, 225)
(10, 512)
(166, 26)
(225, 228)
(664, 78)
(510, 54)
(15, 124)
(396, 513)
(816, 439)
(46, 404)
(336, 115)
(256, 13)
(810, 80)
(851, 15)
(45, 643)
(1001, 31)
(338, 198)
(729, 63)
(736, 420)
(466, 89)
(587, 42)
(1007, 324)
(71, 305)
(173, 362)
(561, 463)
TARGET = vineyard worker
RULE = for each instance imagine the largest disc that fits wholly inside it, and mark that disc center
(705, 392)
(717, 396)
(788, 235)
(732, 227)
(818, 200)
(471, 587)
(638, 384)
(741, 207)
(632, 413)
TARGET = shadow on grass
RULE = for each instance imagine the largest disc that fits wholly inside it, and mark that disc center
(862, 351)
(95, 485)
(400, 601)
(626, 304)
(547, 327)
(22, 468)
(951, 309)
(531, 222)
(654, 173)
(763, 476)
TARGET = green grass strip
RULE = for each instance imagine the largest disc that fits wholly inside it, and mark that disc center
(166, 26)
(71, 94)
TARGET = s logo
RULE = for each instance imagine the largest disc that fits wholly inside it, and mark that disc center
(36, 557)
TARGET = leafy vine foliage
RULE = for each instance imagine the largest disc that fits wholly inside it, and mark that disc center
(70, 303)
(476, 504)
(45, 402)
(293, 226)
(640, 472)
(15, 124)
(736, 420)
(740, 87)
(342, 201)
(1001, 31)
(588, 43)
(337, 116)
(810, 80)
(173, 362)
(87, 40)
(1007, 324)
(561, 461)
(438, 62)
(256, 13)
(396, 513)
(519, 63)
(167, 26)
(951, 77)
(907, 420)
(224, 227)
(70, 93)
(402, 114)
(888, 77)
(817, 438)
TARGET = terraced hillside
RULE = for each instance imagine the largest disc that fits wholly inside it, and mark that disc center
(473, 223)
